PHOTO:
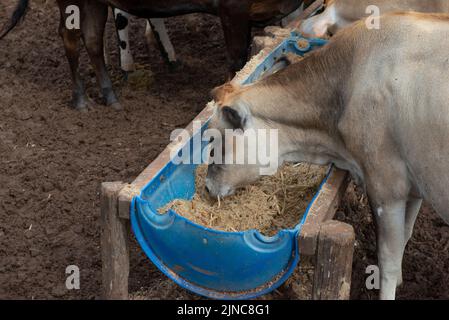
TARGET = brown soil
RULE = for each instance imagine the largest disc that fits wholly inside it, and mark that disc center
(53, 160)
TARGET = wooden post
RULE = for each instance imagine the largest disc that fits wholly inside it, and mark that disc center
(332, 279)
(322, 210)
(114, 243)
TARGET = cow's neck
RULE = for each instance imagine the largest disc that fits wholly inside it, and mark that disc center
(305, 102)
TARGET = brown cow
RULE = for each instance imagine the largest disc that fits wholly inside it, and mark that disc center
(237, 18)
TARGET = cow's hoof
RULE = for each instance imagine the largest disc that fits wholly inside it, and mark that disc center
(399, 281)
(82, 110)
(174, 65)
(80, 106)
(116, 106)
(125, 76)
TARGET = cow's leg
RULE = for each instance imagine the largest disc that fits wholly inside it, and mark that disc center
(411, 213)
(122, 26)
(71, 39)
(237, 33)
(156, 29)
(93, 26)
(390, 218)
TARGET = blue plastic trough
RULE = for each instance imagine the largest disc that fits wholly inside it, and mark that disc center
(215, 264)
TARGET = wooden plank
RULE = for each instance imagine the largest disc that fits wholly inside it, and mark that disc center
(323, 209)
(114, 244)
(311, 7)
(332, 277)
(259, 43)
(125, 197)
(135, 188)
(308, 238)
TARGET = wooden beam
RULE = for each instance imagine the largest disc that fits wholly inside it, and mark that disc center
(323, 209)
(311, 6)
(332, 277)
(114, 244)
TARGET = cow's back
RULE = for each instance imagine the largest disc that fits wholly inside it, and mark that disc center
(352, 10)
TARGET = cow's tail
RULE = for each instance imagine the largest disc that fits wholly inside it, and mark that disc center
(17, 16)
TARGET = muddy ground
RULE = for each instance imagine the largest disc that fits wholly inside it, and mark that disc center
(53, 159)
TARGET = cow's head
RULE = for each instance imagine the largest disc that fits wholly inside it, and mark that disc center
(232, 112)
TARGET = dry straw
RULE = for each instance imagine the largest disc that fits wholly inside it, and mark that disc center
(273, 203)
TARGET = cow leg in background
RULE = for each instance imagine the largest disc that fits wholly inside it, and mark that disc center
(156, 29)
(71, 39)
(93, 25)
(237, 33)
(122, 26)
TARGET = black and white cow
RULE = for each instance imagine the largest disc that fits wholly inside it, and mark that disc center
(155, 31)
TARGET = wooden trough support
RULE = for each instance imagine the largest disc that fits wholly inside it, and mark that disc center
(116, 200)
(330, 242)
(114, 243)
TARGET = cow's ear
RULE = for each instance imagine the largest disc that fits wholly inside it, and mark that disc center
(219, 93)
(233, 117)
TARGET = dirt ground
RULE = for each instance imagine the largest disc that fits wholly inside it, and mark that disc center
(53, 160)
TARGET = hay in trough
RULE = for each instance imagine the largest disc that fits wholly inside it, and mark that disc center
(273, 203)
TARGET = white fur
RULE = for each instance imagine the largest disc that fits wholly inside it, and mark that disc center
(126, 57)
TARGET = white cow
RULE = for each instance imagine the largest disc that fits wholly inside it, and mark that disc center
(373, 102)
(341, 13)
